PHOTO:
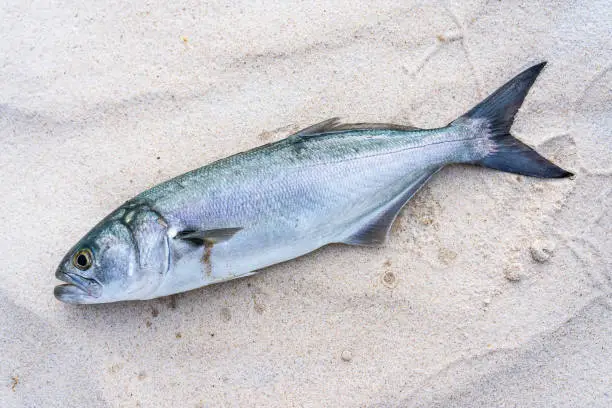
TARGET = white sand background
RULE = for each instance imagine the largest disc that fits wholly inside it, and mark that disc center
(494, 290)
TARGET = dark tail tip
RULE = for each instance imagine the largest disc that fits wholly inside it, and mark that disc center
(513, 156)
(501, 106)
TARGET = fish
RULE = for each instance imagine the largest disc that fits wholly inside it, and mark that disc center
(332, 182)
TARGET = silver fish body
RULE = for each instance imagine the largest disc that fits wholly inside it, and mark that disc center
(330, 183)
(292, 197)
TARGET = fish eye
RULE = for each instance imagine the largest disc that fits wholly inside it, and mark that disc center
(82, 259)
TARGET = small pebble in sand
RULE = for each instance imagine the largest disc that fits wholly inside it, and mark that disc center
(446, 256)
(258, 306)
(226, 314)
(346, 355)
(389, 279)
(514, 272)
(542, 250)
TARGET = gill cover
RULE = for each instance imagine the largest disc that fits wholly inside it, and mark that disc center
(149, 231)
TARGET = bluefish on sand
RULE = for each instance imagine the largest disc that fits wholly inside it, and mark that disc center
(328, 183)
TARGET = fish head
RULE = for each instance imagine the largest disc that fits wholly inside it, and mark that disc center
(124, 257)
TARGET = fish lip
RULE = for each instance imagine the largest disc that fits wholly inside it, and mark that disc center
(76, 286)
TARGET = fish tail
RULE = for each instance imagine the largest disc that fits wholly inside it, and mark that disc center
(496, 114)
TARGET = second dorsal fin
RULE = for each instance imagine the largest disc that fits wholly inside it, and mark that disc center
(334, 125)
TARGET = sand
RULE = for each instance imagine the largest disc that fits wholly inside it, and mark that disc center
(494, 290)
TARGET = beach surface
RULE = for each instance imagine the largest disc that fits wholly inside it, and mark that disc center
(493, 290)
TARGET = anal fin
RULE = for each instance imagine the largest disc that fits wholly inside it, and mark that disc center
(374, 230)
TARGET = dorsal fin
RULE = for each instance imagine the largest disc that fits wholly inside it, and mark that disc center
(364, 126)
(334, 125)
(317, 128)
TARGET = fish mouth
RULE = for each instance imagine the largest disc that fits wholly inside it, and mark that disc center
(77, 288)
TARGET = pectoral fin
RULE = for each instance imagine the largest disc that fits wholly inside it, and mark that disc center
(207, 237)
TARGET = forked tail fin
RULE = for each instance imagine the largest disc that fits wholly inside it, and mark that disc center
(508, 153)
